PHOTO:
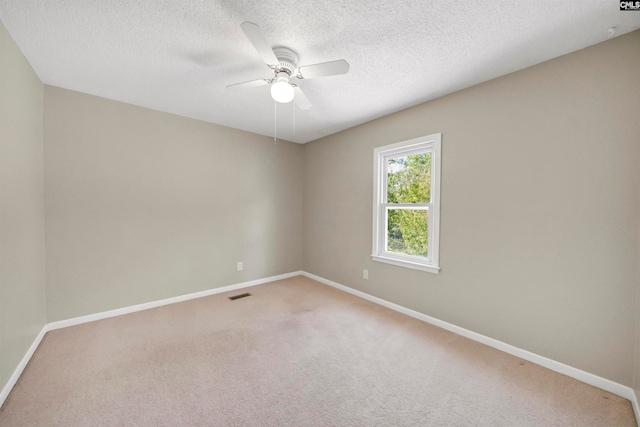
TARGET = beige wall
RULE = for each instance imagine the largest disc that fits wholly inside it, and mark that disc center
(22, 262)
(143, 205)
(540, 208)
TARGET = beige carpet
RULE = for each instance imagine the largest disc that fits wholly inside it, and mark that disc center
(295, 353)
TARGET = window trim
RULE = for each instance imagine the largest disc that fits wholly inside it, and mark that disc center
(379, 252)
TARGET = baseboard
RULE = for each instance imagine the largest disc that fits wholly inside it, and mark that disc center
(146, 306)
(20, 368)
(119, 312)
(585, 377)
(636, 408)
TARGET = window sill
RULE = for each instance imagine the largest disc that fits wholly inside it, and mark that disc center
(406, 264)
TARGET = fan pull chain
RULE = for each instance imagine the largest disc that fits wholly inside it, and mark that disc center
(294, 117)
(275, 121)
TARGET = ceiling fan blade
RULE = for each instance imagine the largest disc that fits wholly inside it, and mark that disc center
(252, 83)
(253, 33)
(301, 99)
(331, 68)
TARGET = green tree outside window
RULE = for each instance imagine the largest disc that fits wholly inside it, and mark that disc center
(408, 181)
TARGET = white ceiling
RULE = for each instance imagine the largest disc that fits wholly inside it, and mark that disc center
(178, 56)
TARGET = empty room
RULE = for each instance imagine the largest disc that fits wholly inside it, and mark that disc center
(340, 213)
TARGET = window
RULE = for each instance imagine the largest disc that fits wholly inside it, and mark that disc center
(406, 203)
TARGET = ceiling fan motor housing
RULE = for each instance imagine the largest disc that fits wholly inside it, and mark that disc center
(287, 60)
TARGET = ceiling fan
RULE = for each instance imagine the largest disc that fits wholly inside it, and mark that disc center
(284, 64)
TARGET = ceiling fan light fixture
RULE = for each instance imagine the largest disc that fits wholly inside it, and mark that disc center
(283, 62)
(281, 89)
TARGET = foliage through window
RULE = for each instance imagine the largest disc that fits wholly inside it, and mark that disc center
(406, 203)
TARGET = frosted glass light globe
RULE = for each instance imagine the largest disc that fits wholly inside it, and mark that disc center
(282, 92)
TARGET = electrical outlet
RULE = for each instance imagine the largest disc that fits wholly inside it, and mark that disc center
(240, 266)
(365, 274)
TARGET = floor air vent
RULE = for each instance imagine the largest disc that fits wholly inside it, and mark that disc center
(235, 297)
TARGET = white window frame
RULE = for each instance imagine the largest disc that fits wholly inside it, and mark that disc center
(431, 262)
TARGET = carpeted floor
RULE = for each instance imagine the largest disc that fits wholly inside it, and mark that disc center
(295, 353)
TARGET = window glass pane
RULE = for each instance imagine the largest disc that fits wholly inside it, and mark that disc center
(407, 231)
(409, 178)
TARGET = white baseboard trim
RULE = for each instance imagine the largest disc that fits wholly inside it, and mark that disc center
(147, 305)
(119, 312)
(20, 368)
(636, 408)
(585, 377)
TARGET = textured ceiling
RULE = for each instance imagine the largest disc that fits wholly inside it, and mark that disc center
(178, 56)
